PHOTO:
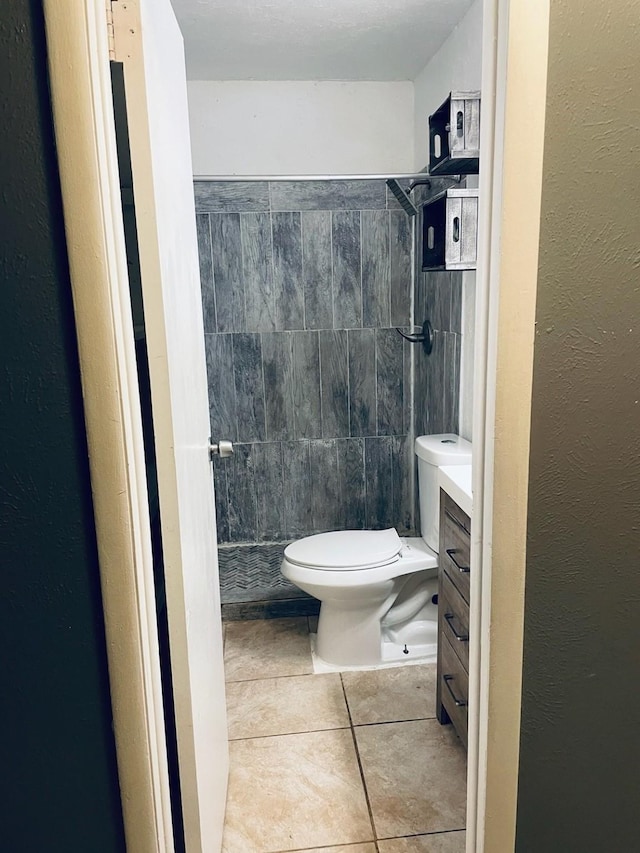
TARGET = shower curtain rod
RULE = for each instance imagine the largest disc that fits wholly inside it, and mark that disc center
(395, 175)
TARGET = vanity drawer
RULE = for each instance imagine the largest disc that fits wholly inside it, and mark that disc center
(455, 544)
(454, 688)
(454, 614)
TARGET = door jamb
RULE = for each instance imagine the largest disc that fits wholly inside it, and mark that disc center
(515, 55)
(78, 55)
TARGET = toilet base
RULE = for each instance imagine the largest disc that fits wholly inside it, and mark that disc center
(419, 638)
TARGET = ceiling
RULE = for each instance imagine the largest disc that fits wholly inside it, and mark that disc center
(313, 39)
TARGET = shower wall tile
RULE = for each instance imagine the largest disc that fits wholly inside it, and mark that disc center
(451, 401)
(220, 467)
(347, 275)
(389, 382)
(222, 389)
(362, 382)
(317, 269)
(437, 296)
(269, 491)
(439, 300)
(436, 378)
(351, 483)
(257, 270)
(455, 322)
(296, 472)
(241, 495)
(277, 360)
(307, 413)
(400, 228)
(322, 410)
(334, 383)
(206, 272)
(237, 196)
(401, 485)
(437, 386)
(376, 294)
(249, 383)
(228, 280)
(409, 353)
(379, 474)
(328, 195)
(421, 309)
(287, 270)
(324, 484)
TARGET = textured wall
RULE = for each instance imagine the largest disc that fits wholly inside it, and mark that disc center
(303, 283)
(579, 785)
(59, 779)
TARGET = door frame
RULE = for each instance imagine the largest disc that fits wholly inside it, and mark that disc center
(78, 55)
(514, 77)
(515, 49)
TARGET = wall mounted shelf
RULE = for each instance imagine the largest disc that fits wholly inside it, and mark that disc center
(450, 231)
(454, 135)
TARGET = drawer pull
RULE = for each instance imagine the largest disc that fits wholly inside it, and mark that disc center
(461, 703)
(457, 523)
(464, 638)
(451, 552)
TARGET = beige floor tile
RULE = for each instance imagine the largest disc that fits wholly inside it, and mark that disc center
(277, 706)
(415, 774)
(391, 695)
(440, 842)
(267, 648)
(295, 792)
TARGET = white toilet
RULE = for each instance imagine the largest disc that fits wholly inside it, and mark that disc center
(376, 588)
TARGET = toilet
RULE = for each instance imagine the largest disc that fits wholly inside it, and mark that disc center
(376, 588)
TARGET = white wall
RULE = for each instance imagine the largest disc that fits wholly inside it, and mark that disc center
(301, 128)
(456, 66)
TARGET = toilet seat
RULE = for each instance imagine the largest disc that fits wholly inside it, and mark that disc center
(346, 550)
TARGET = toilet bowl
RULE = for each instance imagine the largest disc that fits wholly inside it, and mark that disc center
(377, 590)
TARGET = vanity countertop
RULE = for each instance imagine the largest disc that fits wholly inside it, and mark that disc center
(456, 481)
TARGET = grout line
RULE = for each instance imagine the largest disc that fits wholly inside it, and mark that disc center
(359, 760)
(393, 722)
(272, 677)
(288, 734)
(348, 846)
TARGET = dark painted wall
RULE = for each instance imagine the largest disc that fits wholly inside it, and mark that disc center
(579, 782)
(59, 779)
(303, 282)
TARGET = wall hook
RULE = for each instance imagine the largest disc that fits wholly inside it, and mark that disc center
(425, 337)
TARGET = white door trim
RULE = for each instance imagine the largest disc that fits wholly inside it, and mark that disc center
(83, 117)
(515, 54)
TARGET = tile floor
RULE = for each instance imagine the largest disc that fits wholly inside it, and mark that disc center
(351, 762)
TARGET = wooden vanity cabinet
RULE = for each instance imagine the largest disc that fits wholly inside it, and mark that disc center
(452, 692)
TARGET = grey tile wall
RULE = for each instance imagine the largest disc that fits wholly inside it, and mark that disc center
(438, 298)
(281, 490)
(303, 283)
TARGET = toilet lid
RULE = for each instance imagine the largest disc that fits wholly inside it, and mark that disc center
(346, 549)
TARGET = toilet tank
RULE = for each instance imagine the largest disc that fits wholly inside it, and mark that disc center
(434, 451)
